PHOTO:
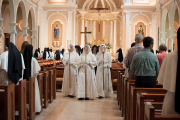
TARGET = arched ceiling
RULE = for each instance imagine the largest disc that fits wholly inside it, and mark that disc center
(89, 4)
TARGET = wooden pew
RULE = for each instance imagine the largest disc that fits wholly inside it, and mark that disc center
(21, 100)
(45, 88)
(31, 97)
(40, 79)
(59, 75)
(150, 114)
(7, 102)
(133, 97)
(140, 102)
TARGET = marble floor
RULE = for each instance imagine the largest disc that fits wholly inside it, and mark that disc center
(65, 108)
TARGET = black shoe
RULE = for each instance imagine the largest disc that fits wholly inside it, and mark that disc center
(86, 98)
(71, 96)
(80, 98)
(100, 97)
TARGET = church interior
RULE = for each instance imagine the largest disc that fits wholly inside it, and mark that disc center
(58, 23)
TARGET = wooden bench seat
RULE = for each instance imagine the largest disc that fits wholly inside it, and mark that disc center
(7, 102)
(150, 114)
(21, 100)
(141, 97)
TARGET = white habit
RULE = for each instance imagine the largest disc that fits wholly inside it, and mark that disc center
(108, 91)
(35, 68)
(167, 77)
(51, 55)
(72, 76)
(91, 92)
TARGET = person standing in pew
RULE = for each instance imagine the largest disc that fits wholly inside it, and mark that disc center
(87, 86)
(11, 65)
(104, 86)
(51, 54)
(132, 51)
(32, 69)
(145, 64)
(169, 77)
(70, 76)
(161, 56)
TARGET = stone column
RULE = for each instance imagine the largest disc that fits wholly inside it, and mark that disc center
(91, 30)
(111, 35)
(104, 28)
(69, 33)
(87, 25)
(128, 31)
(24, 34)
(13, 32)
(115, 36)
(94, 29)
(82, 35)
(154, 31)
(1, 28)
(34, 38)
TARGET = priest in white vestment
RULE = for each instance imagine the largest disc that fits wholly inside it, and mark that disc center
(32, 70)
(169, 78)
(87, 62)
(8, 62)
(104, 87)
(69, 87)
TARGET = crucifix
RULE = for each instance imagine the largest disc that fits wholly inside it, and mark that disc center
(85, 58)
(99, 14)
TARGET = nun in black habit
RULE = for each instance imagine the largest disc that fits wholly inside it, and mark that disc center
(11, 65)
(32, 69)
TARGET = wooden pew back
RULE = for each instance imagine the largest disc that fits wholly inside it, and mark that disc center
(7, 102)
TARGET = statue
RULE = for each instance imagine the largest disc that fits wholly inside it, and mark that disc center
(56, 32)
(141, 31)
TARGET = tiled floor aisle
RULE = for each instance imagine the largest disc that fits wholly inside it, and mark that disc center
(65, 108)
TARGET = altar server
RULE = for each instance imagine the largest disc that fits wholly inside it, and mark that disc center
(70, 72)
(87, 86)
(104, 63)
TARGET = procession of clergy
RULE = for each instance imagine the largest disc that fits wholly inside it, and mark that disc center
(88, 76)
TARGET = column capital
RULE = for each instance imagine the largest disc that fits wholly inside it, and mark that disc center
(94, 20)
(12, 24)
(104, 20)
(86, 19)
(25, 28)
(82, 18)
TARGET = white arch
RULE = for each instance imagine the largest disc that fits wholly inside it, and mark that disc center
(24, 12)
(31, 9)
(54, 14)
(172, 15)
(143, 15)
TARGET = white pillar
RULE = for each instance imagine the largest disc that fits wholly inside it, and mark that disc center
(104, 28)
(74, 27)
(154, 31)
(94, 29)
(111, 36)
(13, 32)
(124, 33)
(82, 30)
(90, 29)
(128, 31)
(34, 39)
(69, 28)
(24, 34)
(1, 28)
(115, 36)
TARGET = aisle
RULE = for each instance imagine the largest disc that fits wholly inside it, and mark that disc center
(64, 108)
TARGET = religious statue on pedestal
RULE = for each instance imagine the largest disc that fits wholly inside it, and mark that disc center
(141, 31)
(56, 32)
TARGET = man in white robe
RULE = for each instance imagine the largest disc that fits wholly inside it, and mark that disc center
(87, 62)
(70, 76)
(104, 88)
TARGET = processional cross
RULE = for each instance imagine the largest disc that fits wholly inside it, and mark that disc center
(86, 32)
